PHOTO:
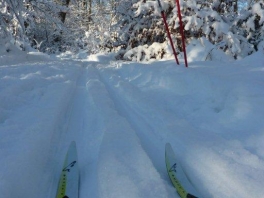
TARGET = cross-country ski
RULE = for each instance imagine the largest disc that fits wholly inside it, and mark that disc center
(68, 186)
(177, 175)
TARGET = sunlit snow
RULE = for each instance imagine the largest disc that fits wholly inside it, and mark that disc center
(121, 114)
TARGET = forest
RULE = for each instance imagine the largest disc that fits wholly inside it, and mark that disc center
(132, 29)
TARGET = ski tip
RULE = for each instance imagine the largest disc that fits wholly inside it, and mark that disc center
(72, 144)
(72, 148)
(168, 148)
(167, 145)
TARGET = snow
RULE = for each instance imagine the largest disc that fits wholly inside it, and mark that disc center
(256, 9)
(146, 53)
(220, 28)
(121, 114)
(202, 50)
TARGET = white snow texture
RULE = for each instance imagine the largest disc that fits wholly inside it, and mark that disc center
(122, 114)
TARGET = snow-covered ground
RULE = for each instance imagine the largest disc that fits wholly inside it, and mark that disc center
(121, 115)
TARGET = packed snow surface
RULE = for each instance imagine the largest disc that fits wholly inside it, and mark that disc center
(121, 115)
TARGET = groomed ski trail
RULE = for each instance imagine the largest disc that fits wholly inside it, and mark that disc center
(121, 154)
(139, 112)
(121, 116)
(85, 126)
(107, 145)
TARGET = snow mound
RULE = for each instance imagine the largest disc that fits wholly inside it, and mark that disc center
(203, 50)
(10, 54)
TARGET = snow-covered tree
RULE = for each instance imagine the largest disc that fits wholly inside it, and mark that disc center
(12, 21)
(91, 22)
(30, 21)
(251, 23)
(132, 28)
(139, 27)
(217, 21)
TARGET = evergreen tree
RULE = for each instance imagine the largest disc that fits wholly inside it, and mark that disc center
(250, 23)
(132, 28)
(220, 22)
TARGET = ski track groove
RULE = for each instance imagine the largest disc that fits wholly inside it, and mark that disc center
(61, 138)
(137, 120)
(123, 108)
(86, 128)
(82, 124)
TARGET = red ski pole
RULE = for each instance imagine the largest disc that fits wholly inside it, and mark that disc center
(168, 32)
(182, 32)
